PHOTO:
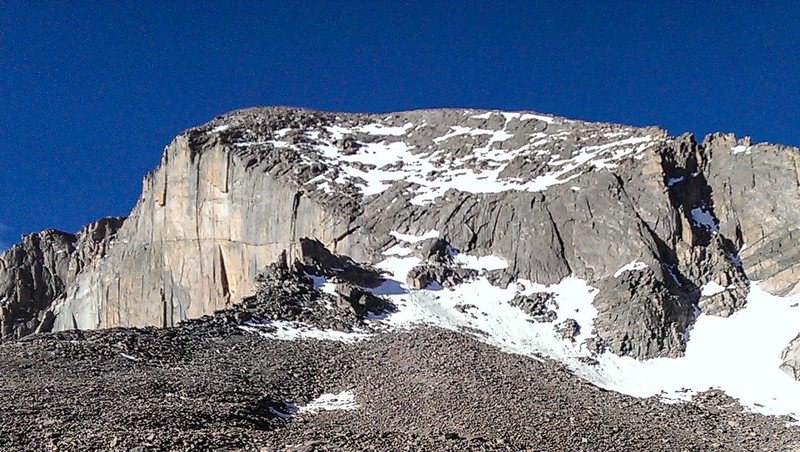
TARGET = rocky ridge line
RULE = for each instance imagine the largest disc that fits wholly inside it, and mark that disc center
(551, 196)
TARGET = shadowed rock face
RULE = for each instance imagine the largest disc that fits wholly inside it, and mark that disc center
(550, 196)
(36, 272)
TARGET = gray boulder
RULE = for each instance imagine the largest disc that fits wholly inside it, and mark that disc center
(537, 305)
(422, 276)
(568, 329)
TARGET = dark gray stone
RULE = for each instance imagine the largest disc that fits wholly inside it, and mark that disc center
(537, 305)
(640, 316)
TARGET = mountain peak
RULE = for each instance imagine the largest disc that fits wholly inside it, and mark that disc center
(589, 243)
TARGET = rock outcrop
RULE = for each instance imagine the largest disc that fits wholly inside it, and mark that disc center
(648, 218)
(210, 218)
(791, 358)
(287, 293)
(639, 315)
(756, 191)
(36, 272)
(537, 305)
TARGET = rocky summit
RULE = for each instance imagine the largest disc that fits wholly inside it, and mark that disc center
(446, 279)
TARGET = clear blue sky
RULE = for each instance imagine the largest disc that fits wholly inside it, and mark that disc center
(91, 95)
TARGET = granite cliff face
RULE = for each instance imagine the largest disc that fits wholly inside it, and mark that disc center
(38, 270)
(662, 226)
(191, 244)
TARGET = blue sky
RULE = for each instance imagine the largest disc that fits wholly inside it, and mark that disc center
(91, 95)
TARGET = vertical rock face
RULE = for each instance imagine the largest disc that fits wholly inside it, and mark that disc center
(207, 223)
(757, 201)
(36, 272)
(651, 220)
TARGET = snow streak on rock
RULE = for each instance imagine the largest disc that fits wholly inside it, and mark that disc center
(631, 266)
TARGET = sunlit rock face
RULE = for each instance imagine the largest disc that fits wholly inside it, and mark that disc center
(655, 222)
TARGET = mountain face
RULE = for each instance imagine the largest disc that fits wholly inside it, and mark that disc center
(39, 269)
(664, 229)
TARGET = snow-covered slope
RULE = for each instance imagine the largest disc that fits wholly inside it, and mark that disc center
(740, 354)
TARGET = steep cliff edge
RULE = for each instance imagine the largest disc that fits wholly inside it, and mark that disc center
(207, 223)
(756, 192)
(662, 226)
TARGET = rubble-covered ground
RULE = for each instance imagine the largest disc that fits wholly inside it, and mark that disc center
(209, 385)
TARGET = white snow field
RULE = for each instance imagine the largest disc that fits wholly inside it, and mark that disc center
(739, 355)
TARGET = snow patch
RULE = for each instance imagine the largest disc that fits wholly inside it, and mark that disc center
(288, 331)
(486, 115)
(461, 130)
(282, 132)
(510, 115)
(527, 117)
(503, 325)
(672, 181)
(711, 288)
(409, 238)
(345, 400)
(702, 217)
(488, 263)
(382, 130)
(130, 357)
(398, 250)
(318, 281)
(634, 265)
